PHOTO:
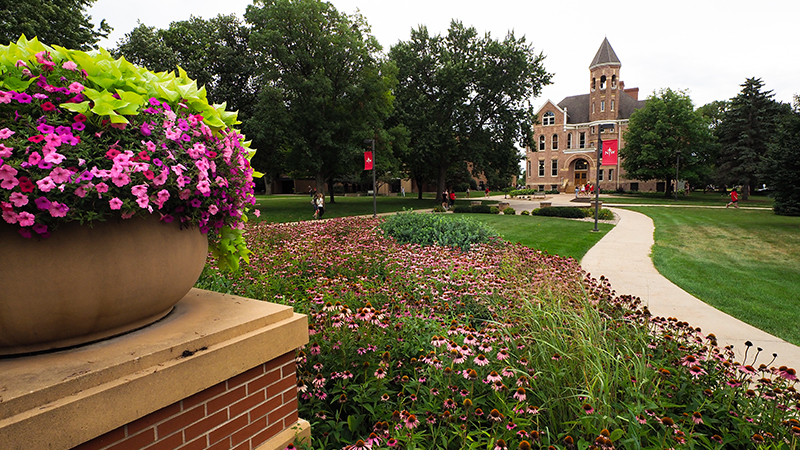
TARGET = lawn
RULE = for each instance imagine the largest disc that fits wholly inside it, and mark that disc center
(694, 199)
(556, 236)
(742, 262)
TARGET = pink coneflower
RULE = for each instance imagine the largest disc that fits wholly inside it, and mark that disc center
(500, 445)
(411, 422)
(380, 374)
(494, 415)
(449, 404)
(697, 418)
(470, 340)
(493, 376)
(319, 380)
(523, 360)
(696, 371)
(392, 442)
(717, 438)
(556, 357)
(520, 394)
(511, 425)
(385, 397)
(481, 360)
(502, 354)
(587, 408)
(499, 386)
(787, 373)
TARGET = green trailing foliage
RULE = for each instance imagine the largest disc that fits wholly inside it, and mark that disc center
(434, 229)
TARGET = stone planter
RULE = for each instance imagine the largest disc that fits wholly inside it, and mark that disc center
(86, 283)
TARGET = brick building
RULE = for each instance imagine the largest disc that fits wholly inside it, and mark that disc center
(566, 136)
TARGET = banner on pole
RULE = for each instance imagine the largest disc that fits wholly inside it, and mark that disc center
(610, 153)
(367, 160)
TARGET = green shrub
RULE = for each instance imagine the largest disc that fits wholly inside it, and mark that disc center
(438, 208)
(481, 209)
(525, 213)
(432, 229)
(569, 212)
(494, 210)
(509, 211)
(603, 214)
(463, 209)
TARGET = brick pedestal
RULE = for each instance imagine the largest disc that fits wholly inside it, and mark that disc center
(218, 373)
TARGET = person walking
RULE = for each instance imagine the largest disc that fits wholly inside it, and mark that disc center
(403, 190)
(319, 202)
(467, 192)
(445, 200)
(452, 198)
(734, 199)
(487, 192)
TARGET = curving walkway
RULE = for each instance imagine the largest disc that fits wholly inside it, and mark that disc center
(623, 256)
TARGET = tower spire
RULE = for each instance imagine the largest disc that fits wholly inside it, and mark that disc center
(605, 56)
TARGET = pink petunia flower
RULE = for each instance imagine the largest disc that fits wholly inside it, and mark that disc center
(115, 203)
(5, 133)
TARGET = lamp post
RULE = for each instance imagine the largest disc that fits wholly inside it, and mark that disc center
(600, 129)
(374, 186)
(677, 169)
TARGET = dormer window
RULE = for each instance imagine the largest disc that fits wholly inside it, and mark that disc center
(549, 118)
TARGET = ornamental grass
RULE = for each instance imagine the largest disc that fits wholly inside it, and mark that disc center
(498, 347)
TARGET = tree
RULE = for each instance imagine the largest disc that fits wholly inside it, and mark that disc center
(744, 134)
(465, 98)
(781, 168)
(54, 22)
(213, 52)
(319, 70)
(667, 126)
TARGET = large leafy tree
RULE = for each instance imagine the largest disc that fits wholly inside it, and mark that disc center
(745, 132)
(54, 22)
(465, 98)
(667, 127)
(214, 52)
(322, 82)
(781, 168)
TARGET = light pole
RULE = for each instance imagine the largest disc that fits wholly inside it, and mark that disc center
(374, 186)
(600, 129)
(677, 169)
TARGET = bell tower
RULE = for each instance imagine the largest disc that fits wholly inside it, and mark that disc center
(605, 84)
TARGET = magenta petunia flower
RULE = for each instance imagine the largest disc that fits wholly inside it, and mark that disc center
(115, 203)
(5, 133)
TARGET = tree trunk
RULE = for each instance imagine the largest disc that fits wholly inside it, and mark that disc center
(419, 188)
(330, 190)
(319, 182)
(668, 188)
(441, 184)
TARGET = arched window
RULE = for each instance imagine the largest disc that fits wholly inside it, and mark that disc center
(602, 82)
(555, 142)
(541, 142)
(581, 165)
(549, 118)
(594, 82)
(613, 81)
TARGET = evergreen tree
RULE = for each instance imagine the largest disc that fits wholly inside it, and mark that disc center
(782, 165)
(745, 132)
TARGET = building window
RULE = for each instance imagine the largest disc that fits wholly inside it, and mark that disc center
(529, 168)
(591, 130)
(549, 118)
(610, 174)
(541, 168)
(569, 140)
(613, 81)
(582, 143)
(602, 105)
(553, 187)
(555, 142)
(592, 107)
(594, 82)
(600, 175)
(612, 105)
(554, 168)
(541, 187)
(541, 142)
(602, 82)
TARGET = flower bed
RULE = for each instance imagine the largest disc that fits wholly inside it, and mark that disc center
(501, 347)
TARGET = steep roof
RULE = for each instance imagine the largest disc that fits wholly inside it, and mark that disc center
(577, 107)
(605, 55)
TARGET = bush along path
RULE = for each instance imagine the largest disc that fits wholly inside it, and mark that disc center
(498, 347)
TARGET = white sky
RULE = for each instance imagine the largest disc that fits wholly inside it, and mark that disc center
(708, 47)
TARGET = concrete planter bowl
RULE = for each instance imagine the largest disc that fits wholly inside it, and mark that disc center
(83, 283)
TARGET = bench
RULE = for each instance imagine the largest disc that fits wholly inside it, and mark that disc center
(475, 203)
(539, 194)
(545, 204)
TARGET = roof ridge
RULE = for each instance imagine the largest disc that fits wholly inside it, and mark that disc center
(605, 55)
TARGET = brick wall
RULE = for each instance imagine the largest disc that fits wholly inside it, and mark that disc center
(240, 413)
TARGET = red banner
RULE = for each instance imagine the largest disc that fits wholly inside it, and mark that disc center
(610, 153)
(367, 160)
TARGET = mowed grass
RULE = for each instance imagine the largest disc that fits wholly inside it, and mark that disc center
(693, 199)
(742, 262)
(556, 236)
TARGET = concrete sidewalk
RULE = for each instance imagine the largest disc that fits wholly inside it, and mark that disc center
(623, 256)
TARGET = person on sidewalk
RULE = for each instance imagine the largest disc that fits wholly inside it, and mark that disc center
(452, 198)
(320, 203)
(445, 200)
(734, 199)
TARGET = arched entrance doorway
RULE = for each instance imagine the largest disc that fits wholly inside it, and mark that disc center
(581, 172)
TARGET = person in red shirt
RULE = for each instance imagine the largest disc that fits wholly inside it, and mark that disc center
(452, 198)
(734, 199)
